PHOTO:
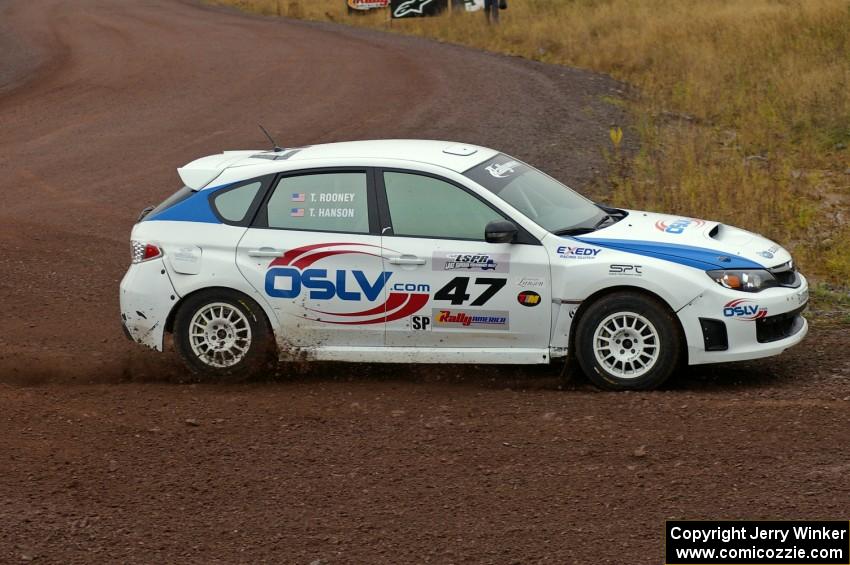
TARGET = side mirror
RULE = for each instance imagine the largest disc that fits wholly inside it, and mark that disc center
(500, 231)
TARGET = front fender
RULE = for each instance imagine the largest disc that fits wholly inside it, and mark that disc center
(577, 282)
(673, 284)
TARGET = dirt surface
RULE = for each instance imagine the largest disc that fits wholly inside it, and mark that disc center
(105, 460)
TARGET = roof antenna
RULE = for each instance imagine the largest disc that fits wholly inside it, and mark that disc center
(277, 148)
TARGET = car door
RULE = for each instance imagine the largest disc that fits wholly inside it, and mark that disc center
(460, 291)
(313, 251)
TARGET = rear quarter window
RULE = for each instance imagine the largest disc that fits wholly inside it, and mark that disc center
(233, 204)
(175, 198)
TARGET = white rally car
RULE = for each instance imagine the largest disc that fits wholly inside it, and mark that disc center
(432, 252)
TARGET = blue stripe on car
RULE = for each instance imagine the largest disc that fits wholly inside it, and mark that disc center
(196, 208)
(696, 257)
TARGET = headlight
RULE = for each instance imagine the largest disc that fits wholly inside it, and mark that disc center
(745, 280)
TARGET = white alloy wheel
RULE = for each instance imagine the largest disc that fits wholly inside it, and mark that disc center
(626, 345)
(219, 335)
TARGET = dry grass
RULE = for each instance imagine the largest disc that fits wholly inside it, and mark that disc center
(743, 109)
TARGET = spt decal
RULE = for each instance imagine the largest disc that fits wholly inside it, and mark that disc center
(677, 226)
(296, 274)
(744, 309)
(626, 270)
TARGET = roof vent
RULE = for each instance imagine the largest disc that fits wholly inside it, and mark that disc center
(461, 150)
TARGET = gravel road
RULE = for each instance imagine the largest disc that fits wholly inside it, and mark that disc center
(107, 459)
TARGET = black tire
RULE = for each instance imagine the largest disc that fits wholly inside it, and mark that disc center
(259, 356)
(666, 333)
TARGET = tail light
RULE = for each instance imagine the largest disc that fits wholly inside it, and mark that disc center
(142, 251)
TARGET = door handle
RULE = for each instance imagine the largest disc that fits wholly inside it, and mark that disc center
(265, 252)
(407, 260)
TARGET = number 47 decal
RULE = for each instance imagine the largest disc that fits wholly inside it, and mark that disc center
(455, 291)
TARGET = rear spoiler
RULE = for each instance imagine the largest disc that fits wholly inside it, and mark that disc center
(201, 172)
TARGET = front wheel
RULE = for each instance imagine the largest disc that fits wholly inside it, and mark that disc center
(223, 334)
(628, 341)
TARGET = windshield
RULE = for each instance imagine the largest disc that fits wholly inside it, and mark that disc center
(541, 198)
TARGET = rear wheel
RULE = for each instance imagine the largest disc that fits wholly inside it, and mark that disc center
(628, 341)
(223, 334)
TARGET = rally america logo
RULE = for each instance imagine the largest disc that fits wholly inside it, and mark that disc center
(298, 273)
(464, 319)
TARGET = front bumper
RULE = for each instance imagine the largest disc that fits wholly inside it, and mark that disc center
(723, 325)
(147, 297)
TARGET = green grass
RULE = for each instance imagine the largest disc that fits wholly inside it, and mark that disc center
(743, 111)
(829, 303)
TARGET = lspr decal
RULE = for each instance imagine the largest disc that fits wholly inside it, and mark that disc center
(463, 261)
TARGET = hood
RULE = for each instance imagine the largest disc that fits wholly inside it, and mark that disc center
(689, 241)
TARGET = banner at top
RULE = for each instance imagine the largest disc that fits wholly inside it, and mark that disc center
(417, 8)
(367, 4)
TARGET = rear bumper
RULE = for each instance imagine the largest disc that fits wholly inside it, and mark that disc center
(147, 297)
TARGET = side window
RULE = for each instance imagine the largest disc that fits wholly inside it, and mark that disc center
(333, 202)
(172, 200)
(427, 207)
(233, 204)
